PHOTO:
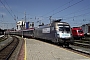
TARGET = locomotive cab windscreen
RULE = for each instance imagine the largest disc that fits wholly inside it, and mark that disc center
(63, 30)
(80, 31)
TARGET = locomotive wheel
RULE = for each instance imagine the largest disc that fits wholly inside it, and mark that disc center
(60, 44)
(56, 42)
(66, 44)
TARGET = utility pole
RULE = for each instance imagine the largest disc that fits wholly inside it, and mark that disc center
(25, 17)
(15, 21)
(25, 21)
(50, 23)
(2, 21)
(50, 19)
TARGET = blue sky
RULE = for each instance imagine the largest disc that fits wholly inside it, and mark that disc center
(75, 12)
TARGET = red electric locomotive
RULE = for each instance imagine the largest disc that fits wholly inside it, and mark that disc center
(77, 33)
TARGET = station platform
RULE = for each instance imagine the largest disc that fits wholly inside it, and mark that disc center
(38, 50)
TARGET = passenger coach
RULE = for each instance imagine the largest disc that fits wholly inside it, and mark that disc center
(25, 33)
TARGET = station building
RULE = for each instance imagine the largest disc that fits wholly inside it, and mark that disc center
(24, 25)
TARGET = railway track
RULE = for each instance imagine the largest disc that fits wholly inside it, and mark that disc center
(80, 49)
(84, 42)
(6, 52)
(81, 46)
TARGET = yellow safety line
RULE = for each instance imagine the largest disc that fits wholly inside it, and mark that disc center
(25, 50)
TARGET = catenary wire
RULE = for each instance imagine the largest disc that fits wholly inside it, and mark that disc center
(7, 9)
(67, 7)
(58, 7)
